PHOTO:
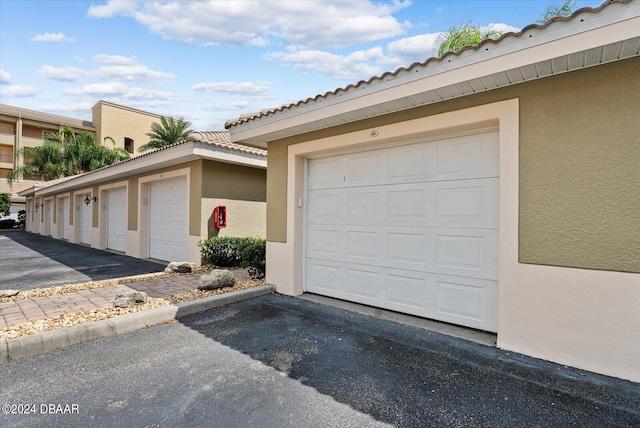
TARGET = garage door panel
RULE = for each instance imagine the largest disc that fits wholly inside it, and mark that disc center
(412, 228)
(363, 283)
(408, 247)
(117, 219)
(460, 203)
(410, 162)
(85, 227)
(168, 219)
(467, 253)
(326, 173)
(409, 294)
(365, 168)
(459, 158)
(65, 217)
(363, 245)
(325, 243)
(324, 277)
(461, 252)
(467, 301)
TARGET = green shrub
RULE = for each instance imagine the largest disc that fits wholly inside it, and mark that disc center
(22, 218)
(227, 251)
(222, 251)
(7, 223)
(253, 255)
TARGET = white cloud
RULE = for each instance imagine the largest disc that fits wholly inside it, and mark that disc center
(17, 91)
(115, 67)
(64, 74)
(115, 59)
(130, 72)
(146, 94)
(76, 108)
(119, 89)
(313, 23)
(235, 105)
(5, 77)
(501, 27)
(112, 8)
(52, 37)
(230, 88)
(99, 89)
(356, 65)
(372, 62)
(404, 52)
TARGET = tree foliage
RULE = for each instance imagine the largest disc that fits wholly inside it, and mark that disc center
(5, 204)
(553, 10)
(66, 153)
(464, 35)
(468, 34)
(168, 131)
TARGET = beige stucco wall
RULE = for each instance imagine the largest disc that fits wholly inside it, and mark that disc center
(579, 166)
(242, 190)
(119, 122)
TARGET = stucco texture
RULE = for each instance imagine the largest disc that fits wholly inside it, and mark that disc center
(579, 166)
(242, 190)
(118, 122)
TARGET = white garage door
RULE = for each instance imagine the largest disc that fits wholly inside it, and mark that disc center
(64, 216)
(117, 219)
(85, 225)
(411, 228)
(48, 217)
(168, 219)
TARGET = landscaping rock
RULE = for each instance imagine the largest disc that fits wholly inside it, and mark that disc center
(8, 293)
(218, 278)
(180, 267)
(129, 300)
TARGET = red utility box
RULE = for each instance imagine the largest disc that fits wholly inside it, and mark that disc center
(220, 216)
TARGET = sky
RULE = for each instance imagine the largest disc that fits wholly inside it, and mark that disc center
(211, 61)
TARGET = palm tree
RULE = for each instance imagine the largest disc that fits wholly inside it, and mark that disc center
(65, 153)
(464, 35)
(44, 161)
(168, 131)
(566, 9)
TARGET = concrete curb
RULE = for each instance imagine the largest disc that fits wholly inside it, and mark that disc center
(54, 340)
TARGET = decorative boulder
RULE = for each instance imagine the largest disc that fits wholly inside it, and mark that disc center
(129, 300)
(217, 278)
(8, 293)
(180, 267)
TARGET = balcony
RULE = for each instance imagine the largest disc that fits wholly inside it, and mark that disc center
(7, 139)
(31, 142)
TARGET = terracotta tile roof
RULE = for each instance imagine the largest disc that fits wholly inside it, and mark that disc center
(222, 139)
(389, 75)
(44, 184)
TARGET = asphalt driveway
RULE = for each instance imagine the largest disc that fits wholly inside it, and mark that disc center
(29, 261)
(278, 361)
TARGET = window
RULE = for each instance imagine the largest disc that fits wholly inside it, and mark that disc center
(128, 144)
(7, 128)
(6, 154)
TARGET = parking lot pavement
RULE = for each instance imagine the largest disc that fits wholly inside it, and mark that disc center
(29, 261)
(286, 362)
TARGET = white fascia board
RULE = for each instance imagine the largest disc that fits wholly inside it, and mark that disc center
(230, 156)
(28, 192)
(160, 159)
(559, 39)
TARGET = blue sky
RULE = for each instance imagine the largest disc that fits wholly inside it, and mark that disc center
(211, 61)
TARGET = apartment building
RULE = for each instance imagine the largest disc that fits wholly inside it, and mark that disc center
(115, 126)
